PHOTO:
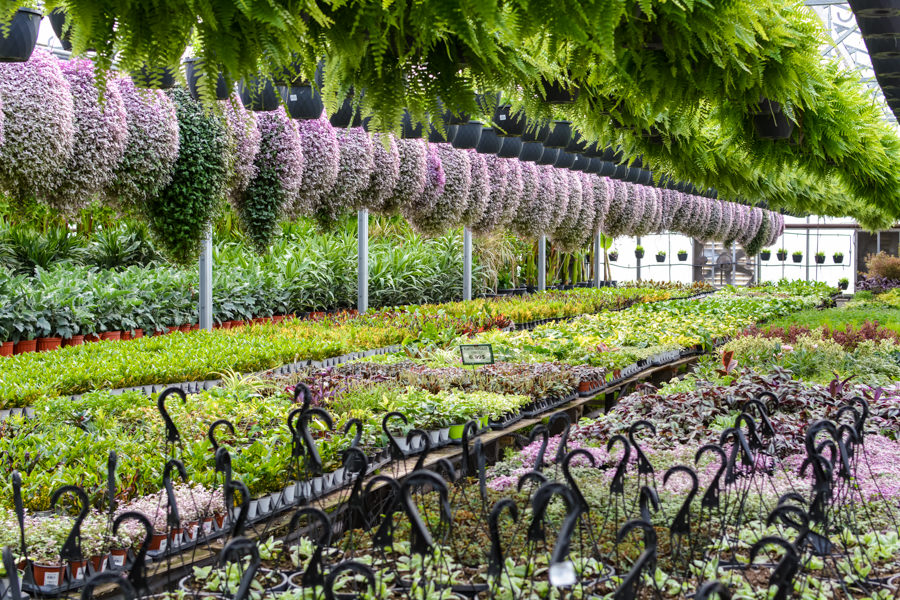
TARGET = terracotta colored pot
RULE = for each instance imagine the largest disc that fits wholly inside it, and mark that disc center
(138, 333)
(184, 328)
(220, 520)
(78, 569)
(172, 329)
(118, 556)
(91, 337)
(259, 320)
(238, 324)
(111, 336)
(6, 348)
(159, 542)
(48, 343)
(225, 325)
(75, 340)
(99, 562)
(195, 327)
(126, 335)
(48, 575)
(23, 346)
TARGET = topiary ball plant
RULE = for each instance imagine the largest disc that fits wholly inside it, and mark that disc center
(100, 137)
(38, 125)
(279, 173)
(152, 148)
(243, 145)
(179, 215)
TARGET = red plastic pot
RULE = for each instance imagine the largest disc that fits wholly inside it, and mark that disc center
(6, 348)
(75, 340)
(78, 569)
(48, 343)
(99, 562)
(118, 556)
(138, 333)
(91, 337)
(23, 346)
(112, 336)
(126, 335)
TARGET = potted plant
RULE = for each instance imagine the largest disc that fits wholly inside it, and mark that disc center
(766, 254)
(660, 256)
(45, 538)
(193, 73)
(820, 258)
(782, 254)
(843, 283)
(797, 256)
(18, 40)
(161, 78)
(682, 255)
(260, 95)
(639, 252)
(771, 122)
(838, 257)
(614, 256)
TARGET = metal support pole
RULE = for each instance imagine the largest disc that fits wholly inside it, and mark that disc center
(206, 260)
(467, 264)
(733, 264)
(542, 263)
(638, 242)
(362, 263)
(878, 243)
(669, 256)
(807, 251)
(598, 258)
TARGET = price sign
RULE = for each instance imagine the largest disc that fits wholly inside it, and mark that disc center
(477, 354)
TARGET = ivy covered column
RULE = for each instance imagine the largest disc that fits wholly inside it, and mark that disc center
(362, 267)
(206, 260)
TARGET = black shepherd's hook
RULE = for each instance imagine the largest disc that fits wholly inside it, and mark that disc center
(293, 426)
(173, 518)
(313, 575)
(384, 535)
(223, 466)
(172, 434)
(544, 433)
(240, 523)
(356, 463)
(396, 452)
(648, 497)
(469, 429)
(863, 417)
(421, 540)
(644, 466)
(783, 575)
(358, 569)
(747, 420)
(111, 463)
(126, 590)
(481, 470)
(536, 476)
(628, 589)
(567, 473)
(711, 496)
(211, 434)
(713, 588)
(357, 426)
(19, 508)
(774, 401)
(564, 435)
(419, 434)
(237, 548)
(617, 485)
(308, 441)
(767, 427)
(539, 502)
(137, 571)
(71, 549)
(681, 524)
(302, 389)
(495, 563)
(12, 584)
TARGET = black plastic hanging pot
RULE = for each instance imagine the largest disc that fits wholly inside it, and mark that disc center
(410, 130)
(771, 123)
(160, 78)
(507, 123)
(304, 102)
(594, 165)
(536, 132)
(645, 177)
(765, 255)
(346, 115)
(466, 136)
(564, 160)
(531, 151)
(559, 137)
(612, 155)
(875, 9)
(260, 95)
(436, 137)
(581, 163)
(632, 175)
(489, 142)
(510, 148)
(620, 173)
(577, 144)
(548, 156)
(593, 150)
(192, 73)
(21, 36)
(558, 93)
(607, 169)
(57, 19)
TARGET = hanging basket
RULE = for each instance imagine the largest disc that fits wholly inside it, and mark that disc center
(531, 151)
(613, 256)
(57, 18)
(346, 115)
(510, 148)
(21, 36)
(557, 93)
(564, 160)
(765, 255)
(838, 259)
(560, 136)
(507, 123)
(536, 133)
(820, 260)
(192, 73)
(304, 102)
(770, 121)
(548, 156)
(582, 163)
(489, 142)
(159, 78)
(259, 95)
(682, 256)
(410, 130)
(466, 136)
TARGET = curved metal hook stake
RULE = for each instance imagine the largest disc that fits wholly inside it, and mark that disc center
(211, 434)
(293, 426)
(126, 590)
(12, 573)
(301, 389)
(308, 441)
(767, 427)
(564, 436)
(356, 425)
(421, 540)
(628, 589)
(481, 469)
(713, 588)
(237, 547)
(644, 466)
(172, 434)
(495, 562)
(313, 575)
(19, 508)
(747, 420)
(863, 417)
(173, 518)
(71, 548)
(774, 403)
(536, 476)
(112, 462)
(426, 446)
(138, 569)
(567, 473)
(223, 465)
(540, 430)
(617, 485)
(396, 452)
(539, 502)
(240, 523)
(384, 536)
(783, 575)
(446, 467)
(353, 567)
(711, 496)
(681, 524)
(648, 497)
(470, 428)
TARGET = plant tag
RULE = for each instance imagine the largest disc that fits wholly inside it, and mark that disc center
(562, 574)
(163, 544)
(51, 579)
(293, 97)
(79, 573)
(118, 560)
(502, 116)
(207, 526)
(477, 354)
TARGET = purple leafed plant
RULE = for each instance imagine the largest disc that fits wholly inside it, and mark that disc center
(243, 145)
(322, 156)
(385, 172)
